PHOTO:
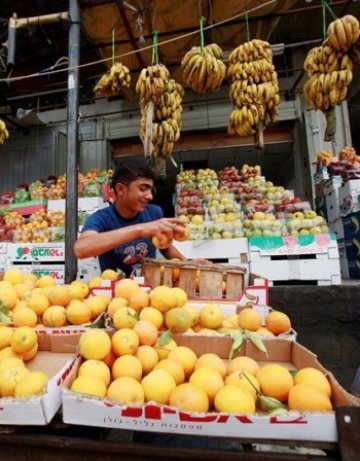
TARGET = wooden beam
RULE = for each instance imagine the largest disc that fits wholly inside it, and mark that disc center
(204, 140)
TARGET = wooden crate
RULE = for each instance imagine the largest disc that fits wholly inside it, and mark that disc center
(198, 280)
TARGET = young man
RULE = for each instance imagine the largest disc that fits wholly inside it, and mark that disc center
(128, 225)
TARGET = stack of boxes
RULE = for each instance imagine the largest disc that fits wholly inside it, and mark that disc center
(340, 205)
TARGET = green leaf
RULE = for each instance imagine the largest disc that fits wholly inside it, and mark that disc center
(257, 341)
(5, 315)
(164, 338)
(293, 372)
(269, 403)
(238, 338)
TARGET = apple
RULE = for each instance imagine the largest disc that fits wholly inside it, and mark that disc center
(184, 218)
(259, 215)
(315, 230)
(304, 232)
(197, 219)
(227, 235)
(216, 236)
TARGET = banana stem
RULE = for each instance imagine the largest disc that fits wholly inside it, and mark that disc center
(259, 136)
(330, 130)
(113, 46)
(202, 40)
(247, 25)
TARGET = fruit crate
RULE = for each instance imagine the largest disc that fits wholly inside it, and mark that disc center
(214, 281)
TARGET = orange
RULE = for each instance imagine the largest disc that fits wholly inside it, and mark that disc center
(60, 295)
(161, 241)
(211, 316)
(22, 289)
(78, 313)
(45, 280)
(158, 386)
(275, 381)
(163, 298)
(54, 316)
(38, 302)
(146, 331)
(193, 312)
(110, 274)
(148, 358)
(246, 381)
(234, 399)
(115, 304)
(24, 317)
(32, 383)
(7, 352)
(209, 380)
(97, 305)
(304, 397)
(28, 355)
(249, 319)
(313, 377)
(152, 315)
(96, 368)
(125, 317)
(174, 368)
(23, 339)
(8, 296)
(139, 299)
(243, 363)
(109, 358)
(11, 362)
(9, 378)
(94, 344)
(211, 360)
(189, 397)
(127, 365)
(186, 357)
(126, 390)
(178, 320)
(163, 348)
(263, 331)
(5, 336)
(124, 341)
(180, 295)
(74, 289)
(89, 384)
(277, 322)
(125, 287)
(181, 233)
(14, 276)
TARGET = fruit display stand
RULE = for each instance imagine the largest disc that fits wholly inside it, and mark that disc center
(301, 426)
(85, 204)
(303, 258)
(29, 207)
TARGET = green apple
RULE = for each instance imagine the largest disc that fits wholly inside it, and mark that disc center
(304, 232)
(216, 236)
(259, 215)
(185, 219)
(197, 219)
(227, 235)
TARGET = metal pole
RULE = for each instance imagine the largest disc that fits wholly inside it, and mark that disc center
(72, 153)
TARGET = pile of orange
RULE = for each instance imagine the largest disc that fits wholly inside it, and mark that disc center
(128, 369)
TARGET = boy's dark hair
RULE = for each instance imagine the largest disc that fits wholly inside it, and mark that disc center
(131, 169)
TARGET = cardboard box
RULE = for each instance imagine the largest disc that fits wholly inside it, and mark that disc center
(88, 268)
(87, 204)
(3, 248)
(36, 252)
(349, 197)
(351, 224)
(40, 409)
(337, 228)
(294, 425)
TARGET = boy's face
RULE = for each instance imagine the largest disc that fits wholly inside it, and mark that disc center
(135, 196)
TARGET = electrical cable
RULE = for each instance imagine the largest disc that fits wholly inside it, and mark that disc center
(129, 53)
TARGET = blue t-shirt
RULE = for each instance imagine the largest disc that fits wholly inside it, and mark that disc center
(130, 254)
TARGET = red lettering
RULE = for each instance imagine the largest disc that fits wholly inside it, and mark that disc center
(298, 420)
(203, 419)
(244, 419)
(132, 412)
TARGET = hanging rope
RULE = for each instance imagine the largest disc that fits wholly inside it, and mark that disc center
(247, 24)
(113, 46)
(202, 40)
(155, 48)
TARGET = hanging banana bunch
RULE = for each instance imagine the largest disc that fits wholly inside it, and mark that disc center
(254, 88)
(152, 82)
(4, 134)
(202, 67)
(330, 70)
(167, 123)
(113, 81)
